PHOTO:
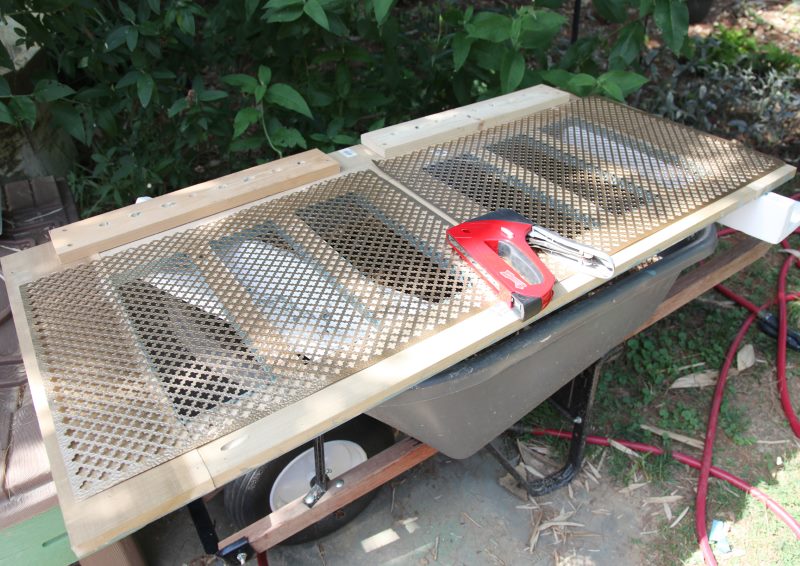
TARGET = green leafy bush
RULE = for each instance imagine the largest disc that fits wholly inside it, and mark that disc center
(731, 46)
(161, 94)
(732, 87)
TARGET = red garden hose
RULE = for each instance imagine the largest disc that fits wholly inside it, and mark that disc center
(692, 462)
(705, 466)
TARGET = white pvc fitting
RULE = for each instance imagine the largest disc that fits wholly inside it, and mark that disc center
(769, 218)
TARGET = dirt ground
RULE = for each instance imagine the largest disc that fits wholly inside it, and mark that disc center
(451, 512)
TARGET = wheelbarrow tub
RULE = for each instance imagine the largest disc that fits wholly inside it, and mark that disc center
(460, 410)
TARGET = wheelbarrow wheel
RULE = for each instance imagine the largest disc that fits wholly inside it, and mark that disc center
(269, 487)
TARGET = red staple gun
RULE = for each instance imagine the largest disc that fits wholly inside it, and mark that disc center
(498, 246)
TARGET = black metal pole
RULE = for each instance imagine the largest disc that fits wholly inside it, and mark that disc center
(320, 484)
(579, 394)
(576, 21)
(204, 526)
(321, 475)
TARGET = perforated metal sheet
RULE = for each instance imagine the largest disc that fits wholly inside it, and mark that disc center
(164, 347)
(593, 170)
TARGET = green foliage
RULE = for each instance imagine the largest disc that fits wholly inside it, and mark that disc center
(680, 417)
(626, 49)
(160, 94)
(614, 84)
(733, 86)
(734, 420)
(730, 46)
(672, 18)
(611, 10)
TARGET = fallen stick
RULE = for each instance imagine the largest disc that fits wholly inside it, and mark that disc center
(595, 471)
(663, 499)
(624, 449)
(477, 524)
(678, 520)
(536, 521)
(632, 487)
(677, 437)
(551, 524)
(699, 379)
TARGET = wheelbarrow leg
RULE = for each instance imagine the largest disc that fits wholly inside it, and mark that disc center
(320, 484)
(235, 554)
(239, 551)
(574, 401)
(203, 525)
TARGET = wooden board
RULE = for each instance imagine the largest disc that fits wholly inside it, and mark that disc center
(415, 134)
(745, 251)
(124, 552)
(130, 223)
(119, 510)
(296, 516)
(41, 539)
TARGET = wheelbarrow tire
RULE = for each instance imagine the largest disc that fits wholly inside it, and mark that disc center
(247, 498)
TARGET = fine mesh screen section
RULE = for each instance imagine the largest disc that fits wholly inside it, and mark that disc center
(606, 191)
(196, 355)
(407, 266)
(490, 187)
(317, 315)
(161, 348)
(182, 329)
(594, 170)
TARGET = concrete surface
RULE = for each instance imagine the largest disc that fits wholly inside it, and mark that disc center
(449, 512)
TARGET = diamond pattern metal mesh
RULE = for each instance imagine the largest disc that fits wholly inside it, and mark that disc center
(151, 352)
(593, 170)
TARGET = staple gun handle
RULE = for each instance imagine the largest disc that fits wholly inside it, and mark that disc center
(496, 246)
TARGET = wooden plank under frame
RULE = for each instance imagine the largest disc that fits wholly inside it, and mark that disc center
(111, 514)
(745, 251)
(296, 516)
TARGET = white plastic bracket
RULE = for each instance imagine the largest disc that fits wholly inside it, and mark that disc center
(769, 218)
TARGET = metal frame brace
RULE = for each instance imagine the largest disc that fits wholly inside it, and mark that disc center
(320, 483)
(240, 551)
(574, 401)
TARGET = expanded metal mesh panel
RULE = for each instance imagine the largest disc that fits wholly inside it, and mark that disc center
(593, 170)
(164, 347)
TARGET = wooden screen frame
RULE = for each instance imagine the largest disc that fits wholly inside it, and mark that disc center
(112, 514)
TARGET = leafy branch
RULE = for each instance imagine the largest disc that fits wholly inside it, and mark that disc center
(265, 97)
(161, 94)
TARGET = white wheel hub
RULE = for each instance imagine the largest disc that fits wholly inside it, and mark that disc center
(295, 479)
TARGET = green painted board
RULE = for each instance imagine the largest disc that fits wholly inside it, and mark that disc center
(40, 540)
